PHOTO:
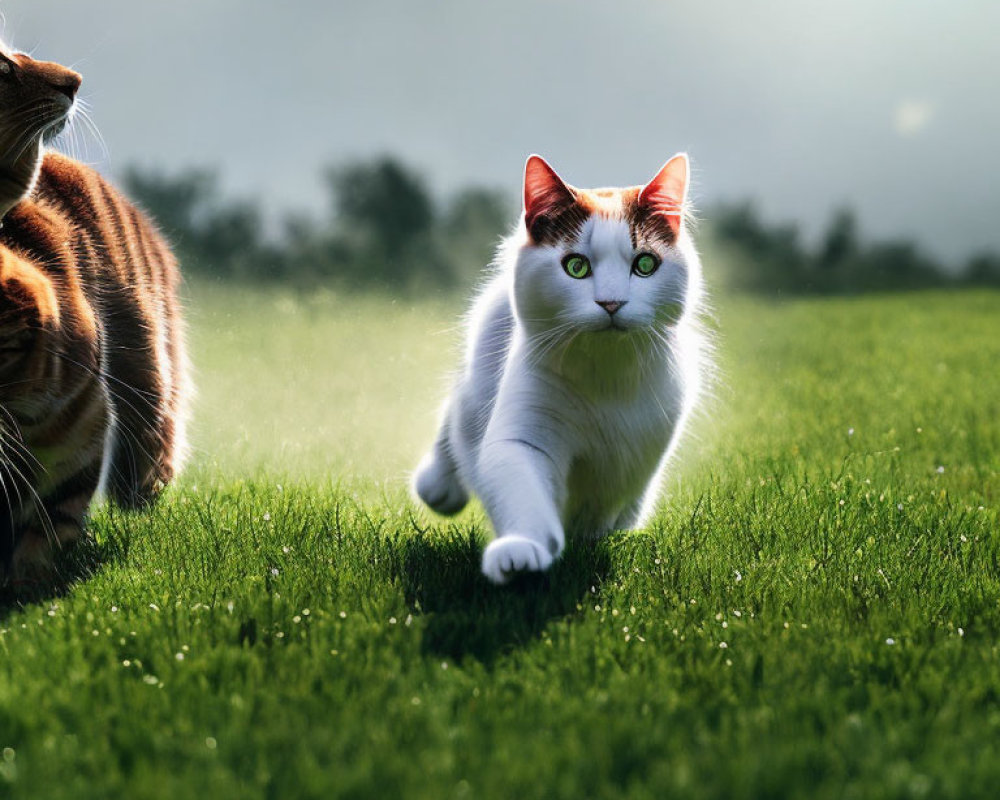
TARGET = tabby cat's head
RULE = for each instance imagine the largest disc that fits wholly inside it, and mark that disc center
(36, 100)
(594, 260)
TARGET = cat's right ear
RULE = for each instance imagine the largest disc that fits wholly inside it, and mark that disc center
(545, 193)
(666, 194)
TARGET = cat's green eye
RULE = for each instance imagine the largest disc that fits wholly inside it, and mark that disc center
(645, 264)
(576, 266)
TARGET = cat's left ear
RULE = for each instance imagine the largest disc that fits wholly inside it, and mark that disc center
(666, 193)
(545, 194)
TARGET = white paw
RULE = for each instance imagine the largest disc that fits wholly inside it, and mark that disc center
(508, 555)
(439, 487)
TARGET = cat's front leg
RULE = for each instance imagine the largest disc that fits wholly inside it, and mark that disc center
(33, 558)
(518, 485)
(437, 482)
(57, 522)
(629, 517)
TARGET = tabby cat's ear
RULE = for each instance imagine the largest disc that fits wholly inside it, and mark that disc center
(665, 194)
(545, 194)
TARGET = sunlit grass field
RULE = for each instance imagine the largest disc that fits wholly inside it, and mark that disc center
(814, 613)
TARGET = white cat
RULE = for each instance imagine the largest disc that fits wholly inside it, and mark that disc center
(584, 359)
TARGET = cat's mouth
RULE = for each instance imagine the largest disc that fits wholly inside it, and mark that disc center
(616, 326)
(61, 115)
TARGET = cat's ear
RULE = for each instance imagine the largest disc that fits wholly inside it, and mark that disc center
(666, 193)
(545, 194)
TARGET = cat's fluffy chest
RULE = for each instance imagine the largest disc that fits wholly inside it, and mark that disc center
(622, 418)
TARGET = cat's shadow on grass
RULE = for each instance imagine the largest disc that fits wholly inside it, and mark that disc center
(466, 616)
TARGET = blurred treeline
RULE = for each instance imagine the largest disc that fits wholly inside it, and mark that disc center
(767, 257)
(385, 228)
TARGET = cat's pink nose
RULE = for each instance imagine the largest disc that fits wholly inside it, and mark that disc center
(611, 306)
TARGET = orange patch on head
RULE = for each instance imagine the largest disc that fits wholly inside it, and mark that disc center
(555, 212)
(605, 202)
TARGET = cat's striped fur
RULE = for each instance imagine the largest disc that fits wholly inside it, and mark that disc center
(92, 359)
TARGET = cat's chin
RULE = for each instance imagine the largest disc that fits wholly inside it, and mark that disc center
(612, 341)
(614, 328)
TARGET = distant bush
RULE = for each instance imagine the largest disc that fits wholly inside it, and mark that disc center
(984, 270)
(385, 228)
(209, 232)
(767, 257)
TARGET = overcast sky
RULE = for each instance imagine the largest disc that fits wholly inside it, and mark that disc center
(888, 106)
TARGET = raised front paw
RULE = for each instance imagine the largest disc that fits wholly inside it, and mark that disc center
(508, 555)
(438, 486)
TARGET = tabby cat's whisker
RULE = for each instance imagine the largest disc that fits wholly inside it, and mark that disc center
(88, 122)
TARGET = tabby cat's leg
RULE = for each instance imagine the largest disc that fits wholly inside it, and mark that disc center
(58, 520)
(141, 445)
(36, 548)
(7, 540)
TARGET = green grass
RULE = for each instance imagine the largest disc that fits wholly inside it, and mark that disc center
(813, 614)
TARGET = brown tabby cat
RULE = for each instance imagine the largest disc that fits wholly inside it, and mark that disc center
(92, 360)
